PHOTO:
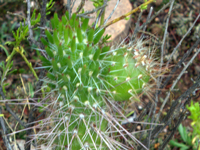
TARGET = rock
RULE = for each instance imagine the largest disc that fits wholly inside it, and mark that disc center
(122, 8)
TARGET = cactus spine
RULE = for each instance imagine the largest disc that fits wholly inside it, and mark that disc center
(82, 71)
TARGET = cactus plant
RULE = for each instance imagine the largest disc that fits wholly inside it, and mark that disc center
(82, 72)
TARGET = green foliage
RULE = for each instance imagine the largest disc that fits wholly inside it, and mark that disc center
(20, 35)
(187, 140)
(194, 109)
(49, 5)
(82, 71)
(5, 70)
(190, 139)
(22, 31)
(145, 6)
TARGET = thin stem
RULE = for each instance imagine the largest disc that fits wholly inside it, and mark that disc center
(20, 51)
(129, 13)
(112, 12)
(177, 79)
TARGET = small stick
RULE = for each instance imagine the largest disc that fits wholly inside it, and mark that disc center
(129, 13)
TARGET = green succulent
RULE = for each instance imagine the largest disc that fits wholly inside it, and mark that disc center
(82, 71)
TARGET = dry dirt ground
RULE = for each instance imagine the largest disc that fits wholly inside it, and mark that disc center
(123, 7)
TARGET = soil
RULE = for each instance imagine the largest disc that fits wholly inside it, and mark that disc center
(123, 7)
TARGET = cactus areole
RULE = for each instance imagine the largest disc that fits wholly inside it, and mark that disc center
(82, 71)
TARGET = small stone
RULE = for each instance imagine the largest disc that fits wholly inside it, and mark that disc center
(157, 19)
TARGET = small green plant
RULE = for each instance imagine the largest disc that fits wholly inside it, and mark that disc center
(194, 109)
(187, 139)
(5, 69)
(190, 140)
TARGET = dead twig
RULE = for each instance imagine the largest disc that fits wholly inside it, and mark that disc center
(3, 126)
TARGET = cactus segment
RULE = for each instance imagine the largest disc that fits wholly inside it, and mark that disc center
(64, 20)
(86, 51)
(49, 52)
(60, 50)
(96, 55)
(90, 35)
(44, 42)
(51, 76)
(104, 51)
(98, 35)
(49, 36)
(67, 15)
(127, 80)
(55, 37)
(85, 24)
(66, 34)
(69, 62)
(55, 66)
(73, 44)
(54, 21)
(46, 62)
(70, 31)
(79, 35)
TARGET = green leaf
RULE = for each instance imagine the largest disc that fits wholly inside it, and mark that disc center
(79, 35)
(67, 15)
(10, 43)
(55, 17)
(90, 35)
(44, 42)
(64, 20)
(31, 91)
(55, 37)
(45, 61)
(73, 44)
(98, 35)
(5, 50)
(183, 132)
(49, 52)
(85, 24)
(96, 55)
(64, 77)
(60, 50)
(66, 34)
(49, 36)
(53, 23)
(104, 51)
(54, 64)
(180, 145)
(51, 76)
(144, 7)
(86, 50)
(70, 32)
(13, 71)
(69, 62)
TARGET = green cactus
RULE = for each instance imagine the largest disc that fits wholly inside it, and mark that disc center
(82, 71)
(127, 73)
